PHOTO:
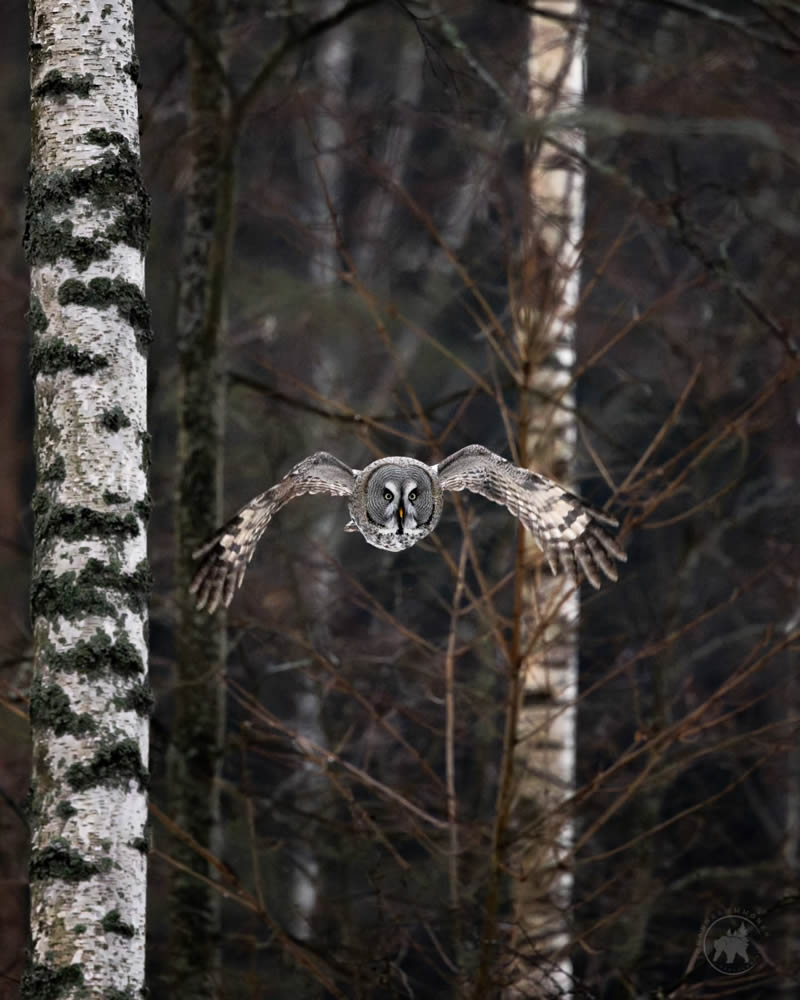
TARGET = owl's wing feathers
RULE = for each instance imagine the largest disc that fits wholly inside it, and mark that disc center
(224, 557)
(564, 527)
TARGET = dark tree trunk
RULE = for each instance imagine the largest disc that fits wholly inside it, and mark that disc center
(197, 737)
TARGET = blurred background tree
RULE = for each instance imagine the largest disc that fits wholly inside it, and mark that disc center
(381, 200)
(197, 734)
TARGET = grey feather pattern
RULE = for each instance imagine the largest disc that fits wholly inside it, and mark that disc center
(567, 530)
(224, 558)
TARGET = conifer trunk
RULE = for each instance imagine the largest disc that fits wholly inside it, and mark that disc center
(196, 749)
(86, 230)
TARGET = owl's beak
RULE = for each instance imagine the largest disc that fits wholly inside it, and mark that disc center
(401, 513)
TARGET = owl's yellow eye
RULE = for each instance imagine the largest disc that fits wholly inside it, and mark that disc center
(387, 495)
(412, 496)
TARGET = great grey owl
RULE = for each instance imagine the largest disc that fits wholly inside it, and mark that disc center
(396, 501)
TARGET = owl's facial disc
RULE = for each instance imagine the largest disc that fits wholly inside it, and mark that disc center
(399, 506)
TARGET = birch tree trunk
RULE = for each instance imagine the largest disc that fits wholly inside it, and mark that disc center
(333, 65)
(325, 186)
(196, 747)
(374, 224)
(544, 763)
(90, 700)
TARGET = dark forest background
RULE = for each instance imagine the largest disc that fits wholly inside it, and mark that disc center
(382, 177)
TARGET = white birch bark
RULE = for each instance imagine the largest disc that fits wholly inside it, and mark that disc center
(325, 179)
(332, 63)
(545, 757)
(90, 701)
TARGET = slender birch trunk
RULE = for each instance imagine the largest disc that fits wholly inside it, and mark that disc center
(90, 701)
(374, 224)
(544, 763)
(333, 65)
(196, 748)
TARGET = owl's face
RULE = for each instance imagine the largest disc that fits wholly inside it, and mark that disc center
(399, 505)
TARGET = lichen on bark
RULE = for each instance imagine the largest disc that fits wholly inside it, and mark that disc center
(113, 764)
(100, 293)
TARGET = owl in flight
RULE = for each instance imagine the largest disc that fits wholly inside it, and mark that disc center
(394, 502)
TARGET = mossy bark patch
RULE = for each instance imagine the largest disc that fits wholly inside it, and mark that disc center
(58, 86)
(54, 355)
(74, 595)
(73, 524)
(47, 982)
(143, 507)
(113, 184)
(66, 810)
(133, 69)
(113, 765)
(112, 923)
(55, 472)
(127, 994)
(94, 657)
(140, 844)
(102, 137)
(101, 293)
(36, 316)
(138, 698)
(114, 419)
(59, 860)
(54, 240)
(50, 707)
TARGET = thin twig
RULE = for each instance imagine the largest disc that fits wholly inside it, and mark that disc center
(449, 745)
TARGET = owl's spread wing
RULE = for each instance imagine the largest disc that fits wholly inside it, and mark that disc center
(565, 528)
(224, 558)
